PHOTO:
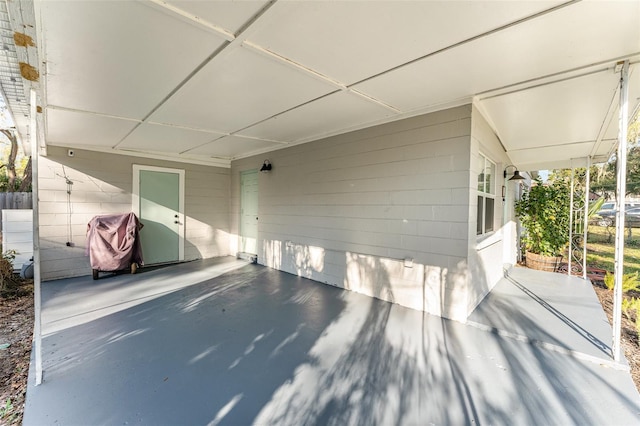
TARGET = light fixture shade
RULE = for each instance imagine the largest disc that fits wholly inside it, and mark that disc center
(517, 176)
(266, 166)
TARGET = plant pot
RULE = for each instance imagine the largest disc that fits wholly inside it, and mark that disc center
(542, 263)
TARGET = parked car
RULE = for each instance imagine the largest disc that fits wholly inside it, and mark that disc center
(610, 207)
(631, 218)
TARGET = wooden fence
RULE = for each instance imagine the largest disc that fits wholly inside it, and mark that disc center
(16, 200)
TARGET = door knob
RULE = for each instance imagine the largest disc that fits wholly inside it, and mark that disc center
(176, 221)
(176, 216)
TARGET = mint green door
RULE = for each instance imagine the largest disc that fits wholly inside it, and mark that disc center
(160, 211)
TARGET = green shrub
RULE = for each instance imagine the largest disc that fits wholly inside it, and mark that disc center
(544, 212)
(629, 282)
(632, 304)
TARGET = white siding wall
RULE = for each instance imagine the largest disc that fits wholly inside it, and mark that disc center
(102, 184)
(488, 255)
(17, 234)
(348, 210)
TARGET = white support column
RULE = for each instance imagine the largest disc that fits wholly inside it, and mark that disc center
(37, 295)
(620, 194)
(570, 253)
(587, 191)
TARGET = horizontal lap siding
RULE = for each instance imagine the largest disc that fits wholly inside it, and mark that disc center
(17, 235)
(389, 192)
(102, 184)
(486, 258)
(374, 197)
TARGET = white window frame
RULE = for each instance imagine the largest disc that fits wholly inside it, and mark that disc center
(484, 193)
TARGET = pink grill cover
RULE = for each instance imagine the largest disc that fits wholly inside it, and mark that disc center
(113, 243)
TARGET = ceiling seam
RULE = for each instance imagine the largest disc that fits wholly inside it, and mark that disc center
(552, 146)
(98, 114)
(471, 39)
(224, 136)
(549, 76)
(214, 161)
(237, 132)
(224, 47)
(223, 32)
(175, 89)
(317, 75)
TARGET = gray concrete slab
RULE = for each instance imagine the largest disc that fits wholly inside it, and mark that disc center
(555, 310)
(257, 346)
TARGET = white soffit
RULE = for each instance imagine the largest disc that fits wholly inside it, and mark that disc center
(557, 121)
(539, 116)
(173, 140)
(234, 146)
(237, 89)
(342, 110)
(550, 156)
(553, 43)
(71, 128)
(351, 41)
(117, 57)
(268, 72)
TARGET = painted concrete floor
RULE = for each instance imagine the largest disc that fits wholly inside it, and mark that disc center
(226, 342)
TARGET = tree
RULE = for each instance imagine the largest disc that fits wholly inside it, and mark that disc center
(9, 179)
(604, 176)
(27, 177)
(11, 161)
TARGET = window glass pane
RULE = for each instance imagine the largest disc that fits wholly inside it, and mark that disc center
(490, 172)
(488, 214)
(481, 173)
(480, 219)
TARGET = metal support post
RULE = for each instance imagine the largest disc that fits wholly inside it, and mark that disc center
(620, 212)
(570, 253)
(587, 191)
(37, 298)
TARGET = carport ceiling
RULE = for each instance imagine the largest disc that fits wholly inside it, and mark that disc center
(216, 81)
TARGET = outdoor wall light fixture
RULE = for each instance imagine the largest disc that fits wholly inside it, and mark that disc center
(516, 173)
(516, 176)
(266, 166)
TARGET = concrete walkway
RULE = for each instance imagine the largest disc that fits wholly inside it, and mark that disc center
(226, 342)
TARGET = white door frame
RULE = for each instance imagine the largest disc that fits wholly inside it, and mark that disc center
(137, 168)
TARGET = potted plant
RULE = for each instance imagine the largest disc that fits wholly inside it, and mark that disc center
(544, 212)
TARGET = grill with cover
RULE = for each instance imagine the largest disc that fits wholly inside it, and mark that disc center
(113, 243)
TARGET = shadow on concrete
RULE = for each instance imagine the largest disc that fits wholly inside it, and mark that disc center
(259, 346)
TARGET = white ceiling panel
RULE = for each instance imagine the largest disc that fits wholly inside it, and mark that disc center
(234, 146)
(342, 110)
(538, 116)
(275, 73)
(237, 90)
(350, 41)
(117, 57)
(555, 42)
(70, 128)
(158, 138)
(229, 15)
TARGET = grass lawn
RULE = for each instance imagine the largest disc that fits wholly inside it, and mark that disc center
(600, 253)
